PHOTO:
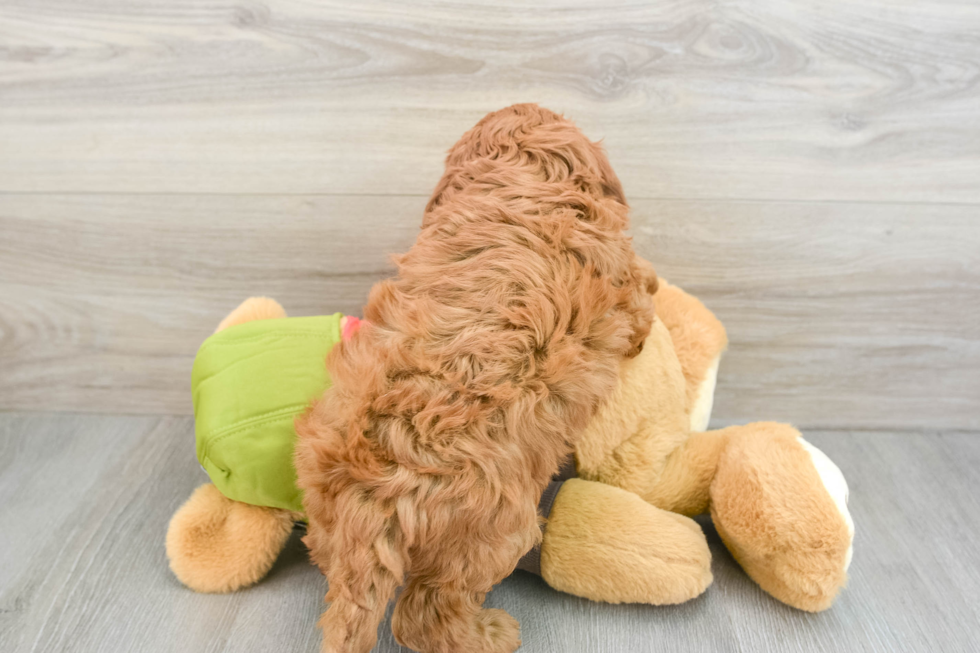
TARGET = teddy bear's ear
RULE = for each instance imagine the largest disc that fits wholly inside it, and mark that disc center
(253, 308)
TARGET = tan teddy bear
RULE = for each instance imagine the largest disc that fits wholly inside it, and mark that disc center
(621, 531)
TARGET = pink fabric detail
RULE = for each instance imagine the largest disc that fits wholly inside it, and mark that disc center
(350, 326)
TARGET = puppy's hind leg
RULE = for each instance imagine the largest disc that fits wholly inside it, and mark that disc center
(441, 608)
(367, 563)
(448, 618)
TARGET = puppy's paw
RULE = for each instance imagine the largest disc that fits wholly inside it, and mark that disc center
(500, 631)
(339, 637)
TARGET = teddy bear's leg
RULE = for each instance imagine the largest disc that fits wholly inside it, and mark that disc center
(684, 483)
(216, 544)
(607, 544)
(778, 503)
(780, 506)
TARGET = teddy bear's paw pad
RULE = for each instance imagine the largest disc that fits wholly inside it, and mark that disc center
(836, 486)
(705, 398)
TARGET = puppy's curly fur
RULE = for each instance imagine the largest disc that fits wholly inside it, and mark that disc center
(483, 361)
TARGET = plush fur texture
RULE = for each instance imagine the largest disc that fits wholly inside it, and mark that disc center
(253, 308)
(629, 439)
(786, 526)
(698, 338)
(777, 516)
(218, 545)
(609, 545)
(483, 361)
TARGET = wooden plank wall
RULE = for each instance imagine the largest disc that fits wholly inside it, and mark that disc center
(810, 169)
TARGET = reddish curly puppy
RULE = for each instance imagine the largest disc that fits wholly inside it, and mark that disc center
(483, 361)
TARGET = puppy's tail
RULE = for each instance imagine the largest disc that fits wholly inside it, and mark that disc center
(368, 564)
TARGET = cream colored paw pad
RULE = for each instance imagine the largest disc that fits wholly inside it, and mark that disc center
(833, 481)
(703, 403)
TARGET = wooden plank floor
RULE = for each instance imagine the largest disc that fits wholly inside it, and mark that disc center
(86, 500)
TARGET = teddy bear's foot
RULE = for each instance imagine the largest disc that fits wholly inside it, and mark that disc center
(606, 544)
(780, 506)
(219, 545)
(836, 486)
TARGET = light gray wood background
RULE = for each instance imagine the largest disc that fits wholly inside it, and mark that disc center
(811, 169)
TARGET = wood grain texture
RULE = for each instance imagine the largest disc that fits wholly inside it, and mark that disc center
(839, 314)
(83, 566)
(769, 99)
(105, 300)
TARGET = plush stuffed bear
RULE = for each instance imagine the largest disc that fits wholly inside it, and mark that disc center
(619, 532)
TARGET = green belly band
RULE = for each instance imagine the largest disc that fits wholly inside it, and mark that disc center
(249, 383)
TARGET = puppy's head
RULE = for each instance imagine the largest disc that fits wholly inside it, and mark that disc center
(531, 136)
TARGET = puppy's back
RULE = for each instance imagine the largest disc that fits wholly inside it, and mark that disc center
(484, 358)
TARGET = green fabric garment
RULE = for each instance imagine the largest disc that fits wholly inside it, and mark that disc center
(250, 381)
